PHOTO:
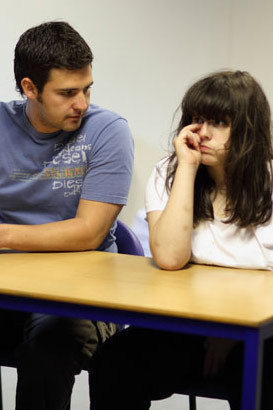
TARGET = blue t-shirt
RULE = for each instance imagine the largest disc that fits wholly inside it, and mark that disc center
(43, 176)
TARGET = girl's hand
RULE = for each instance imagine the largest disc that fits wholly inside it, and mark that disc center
(186, 145)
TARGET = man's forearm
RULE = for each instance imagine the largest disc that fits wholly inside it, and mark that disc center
(69, 235)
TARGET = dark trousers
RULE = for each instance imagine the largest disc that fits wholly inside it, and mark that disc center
(49, 352)
(138, 365)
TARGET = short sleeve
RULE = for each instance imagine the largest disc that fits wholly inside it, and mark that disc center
(156, 196)
(264, 237)
(109, 168)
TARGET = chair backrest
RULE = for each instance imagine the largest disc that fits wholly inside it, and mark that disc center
(127, 241)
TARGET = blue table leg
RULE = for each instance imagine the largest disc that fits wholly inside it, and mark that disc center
(252, 370)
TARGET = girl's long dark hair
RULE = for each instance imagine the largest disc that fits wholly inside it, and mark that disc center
(237, 96)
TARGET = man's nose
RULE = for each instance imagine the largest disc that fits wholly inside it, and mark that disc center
(81, 102)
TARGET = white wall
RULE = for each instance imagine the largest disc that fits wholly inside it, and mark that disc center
(251, 41)
(147, 52)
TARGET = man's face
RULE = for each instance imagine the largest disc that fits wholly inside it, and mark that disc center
(63, 101)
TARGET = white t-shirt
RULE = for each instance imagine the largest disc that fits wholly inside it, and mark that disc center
(215, 242)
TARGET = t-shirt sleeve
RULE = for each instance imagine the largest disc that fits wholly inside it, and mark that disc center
(156, 196)
(110, 165)
(264, 237)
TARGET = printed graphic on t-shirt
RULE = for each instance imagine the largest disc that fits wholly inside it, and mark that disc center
(66, 169)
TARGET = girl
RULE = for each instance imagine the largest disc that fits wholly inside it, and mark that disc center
(209, 202)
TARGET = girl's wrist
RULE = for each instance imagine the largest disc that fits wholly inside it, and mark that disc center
(187, 167)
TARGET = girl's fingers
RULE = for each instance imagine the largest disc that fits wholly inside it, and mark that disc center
(189, 138)
(193, 140)
(192, 127)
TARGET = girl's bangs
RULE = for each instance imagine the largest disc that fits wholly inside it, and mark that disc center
(211, 102)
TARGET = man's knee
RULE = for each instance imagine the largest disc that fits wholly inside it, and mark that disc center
(80, 335)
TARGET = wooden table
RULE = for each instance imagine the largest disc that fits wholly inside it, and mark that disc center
(205, 300)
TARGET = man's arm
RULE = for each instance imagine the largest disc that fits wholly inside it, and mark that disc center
(84, 232)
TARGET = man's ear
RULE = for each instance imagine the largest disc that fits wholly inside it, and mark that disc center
(29, 88)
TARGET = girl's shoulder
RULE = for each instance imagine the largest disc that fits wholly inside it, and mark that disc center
(156, 195)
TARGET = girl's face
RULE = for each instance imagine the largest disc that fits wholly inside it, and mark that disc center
(214, 137)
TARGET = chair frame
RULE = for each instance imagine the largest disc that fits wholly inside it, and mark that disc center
(210, 390)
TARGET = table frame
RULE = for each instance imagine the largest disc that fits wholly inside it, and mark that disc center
(252, 338)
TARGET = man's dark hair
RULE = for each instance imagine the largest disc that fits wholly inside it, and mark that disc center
(49, 45)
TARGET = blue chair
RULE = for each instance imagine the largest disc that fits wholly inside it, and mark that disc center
(127, 243)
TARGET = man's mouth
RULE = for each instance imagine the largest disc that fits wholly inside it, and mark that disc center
(74, 117)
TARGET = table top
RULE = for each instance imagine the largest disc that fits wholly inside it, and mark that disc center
(134, 283)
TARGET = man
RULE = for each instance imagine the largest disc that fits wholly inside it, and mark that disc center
(65, 173)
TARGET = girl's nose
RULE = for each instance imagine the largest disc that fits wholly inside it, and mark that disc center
(205, 131)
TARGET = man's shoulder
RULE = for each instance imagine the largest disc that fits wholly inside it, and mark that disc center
(101, 115)
(12, 108)
(105, 128)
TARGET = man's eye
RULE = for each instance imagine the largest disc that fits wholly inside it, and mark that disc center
(87, 90)
(67, 93)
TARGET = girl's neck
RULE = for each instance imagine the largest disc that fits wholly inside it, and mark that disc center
(218, 195)
(218, 176)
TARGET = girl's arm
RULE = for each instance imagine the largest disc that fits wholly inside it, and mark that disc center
(171, 229)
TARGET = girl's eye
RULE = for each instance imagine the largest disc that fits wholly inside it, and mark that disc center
(197, 120)
(220, 123)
